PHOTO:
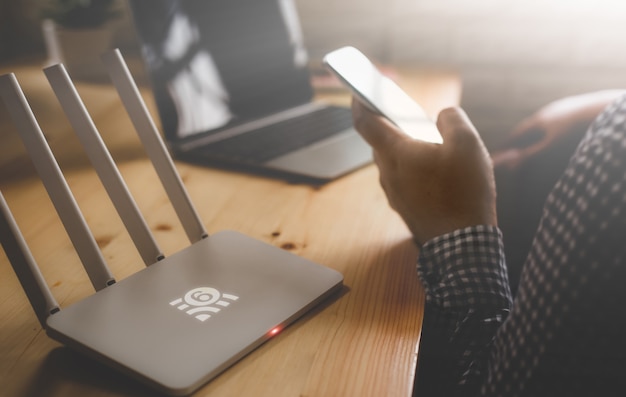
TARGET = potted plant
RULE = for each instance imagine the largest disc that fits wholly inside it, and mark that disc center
(77, 32)
(80, 14)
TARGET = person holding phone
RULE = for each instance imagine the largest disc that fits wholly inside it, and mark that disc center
(563, 332)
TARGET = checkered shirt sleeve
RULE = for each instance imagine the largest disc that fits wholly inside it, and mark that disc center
(465, 269)
(467, 299)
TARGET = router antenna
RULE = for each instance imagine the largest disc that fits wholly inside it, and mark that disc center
(153, 144)
(56, 185)
(103, 163)
(24, 266)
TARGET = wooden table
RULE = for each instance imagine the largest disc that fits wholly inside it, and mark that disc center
(362, 342)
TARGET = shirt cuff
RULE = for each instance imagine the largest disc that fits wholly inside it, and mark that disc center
(466, 270)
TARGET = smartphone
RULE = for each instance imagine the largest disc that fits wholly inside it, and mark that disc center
(381, 94)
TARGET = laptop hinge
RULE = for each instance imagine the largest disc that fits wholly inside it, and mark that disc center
(252, 125)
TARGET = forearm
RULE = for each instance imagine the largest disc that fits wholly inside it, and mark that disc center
(585, 108)
(468, 298)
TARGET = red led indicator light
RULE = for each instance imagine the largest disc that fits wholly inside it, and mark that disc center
(274, 331)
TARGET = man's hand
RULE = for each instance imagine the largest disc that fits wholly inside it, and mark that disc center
(435, 188)
(564, 120)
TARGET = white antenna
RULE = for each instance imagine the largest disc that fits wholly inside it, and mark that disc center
(103, 163)
(55, 183)
(24, 265)
(153, 144)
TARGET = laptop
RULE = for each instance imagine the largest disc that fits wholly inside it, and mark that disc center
(232, 88)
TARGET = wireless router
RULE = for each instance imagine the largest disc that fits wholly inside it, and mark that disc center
(185, 318)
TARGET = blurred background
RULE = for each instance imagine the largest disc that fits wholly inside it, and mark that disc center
(513, 56)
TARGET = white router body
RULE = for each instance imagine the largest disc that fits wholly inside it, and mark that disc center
(185, 318)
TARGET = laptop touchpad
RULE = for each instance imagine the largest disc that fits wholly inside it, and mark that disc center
(345, 151)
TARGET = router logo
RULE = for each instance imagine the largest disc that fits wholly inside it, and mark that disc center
(203, 302)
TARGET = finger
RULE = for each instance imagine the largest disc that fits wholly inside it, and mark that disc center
(532, 150)
(514, 158)
(526, 124)
(526, 138)
(509, 158)
(521, 144)
(379, 132)
(528, 132)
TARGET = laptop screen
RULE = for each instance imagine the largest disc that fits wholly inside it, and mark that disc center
(218, 63)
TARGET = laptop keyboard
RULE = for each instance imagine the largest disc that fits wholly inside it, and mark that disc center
(286, 136)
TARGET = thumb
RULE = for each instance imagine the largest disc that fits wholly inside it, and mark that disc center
(526, 133)
(524, 142)
(454, 124)
(379, 132)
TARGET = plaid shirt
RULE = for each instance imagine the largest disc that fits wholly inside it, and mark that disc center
(565, 332)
